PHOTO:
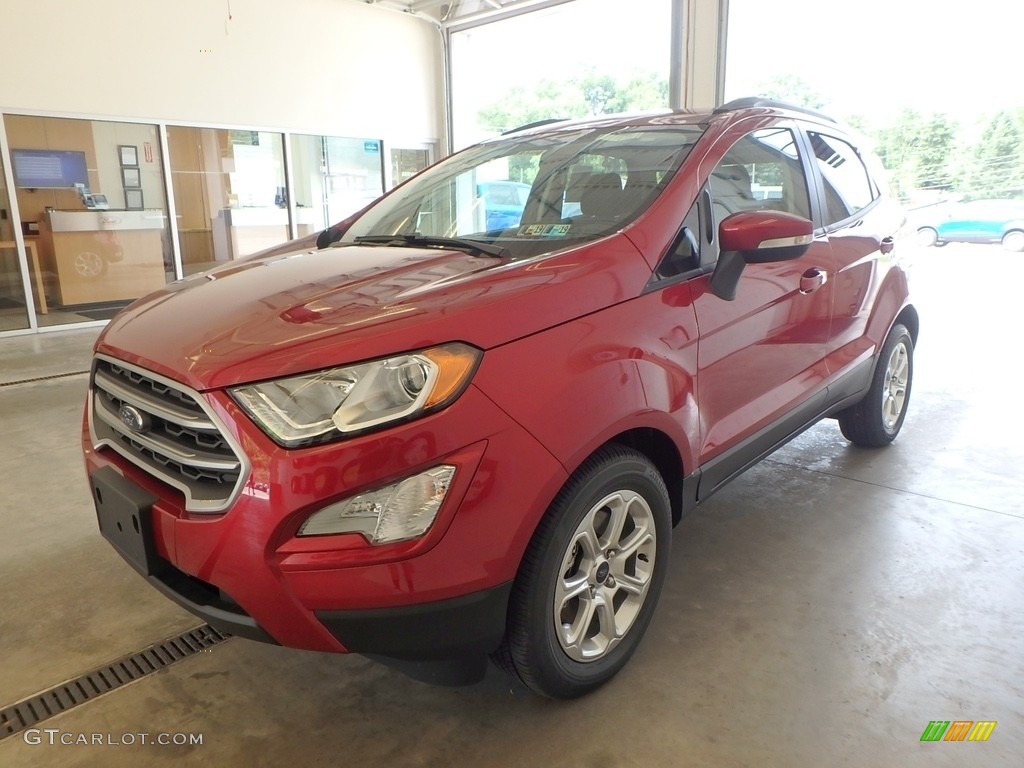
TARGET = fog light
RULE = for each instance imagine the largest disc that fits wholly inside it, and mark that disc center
(397, 512)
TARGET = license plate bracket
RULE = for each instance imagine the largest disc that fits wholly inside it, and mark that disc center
(124, 512)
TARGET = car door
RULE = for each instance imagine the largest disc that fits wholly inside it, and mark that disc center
(968, 223)
(862, 226)
(761, 368)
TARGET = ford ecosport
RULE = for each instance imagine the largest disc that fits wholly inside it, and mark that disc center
(434, 441)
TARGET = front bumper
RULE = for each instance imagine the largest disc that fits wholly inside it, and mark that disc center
(441, 596)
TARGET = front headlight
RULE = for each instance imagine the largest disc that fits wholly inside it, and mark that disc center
(322, 406)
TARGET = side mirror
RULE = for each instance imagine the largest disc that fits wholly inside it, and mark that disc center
(327, 237)
(335, 232)
(757, 237)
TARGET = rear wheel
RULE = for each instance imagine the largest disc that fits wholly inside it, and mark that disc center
(876, 420)
(590, 578)
(1014, 241)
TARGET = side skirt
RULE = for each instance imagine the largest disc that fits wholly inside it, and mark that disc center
(847, 390)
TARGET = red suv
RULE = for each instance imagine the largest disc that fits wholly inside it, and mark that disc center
(432, 442)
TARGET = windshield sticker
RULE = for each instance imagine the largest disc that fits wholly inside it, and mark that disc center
(545, 230)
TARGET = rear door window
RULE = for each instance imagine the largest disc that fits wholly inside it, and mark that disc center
(846, 183)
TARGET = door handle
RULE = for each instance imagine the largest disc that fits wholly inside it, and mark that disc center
(812, 280)
(887, 245)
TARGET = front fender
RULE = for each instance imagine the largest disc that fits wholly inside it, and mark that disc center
(577, 386)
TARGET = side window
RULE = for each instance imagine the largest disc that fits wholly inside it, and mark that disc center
(761, 171)
(845, 180)
(685, 253)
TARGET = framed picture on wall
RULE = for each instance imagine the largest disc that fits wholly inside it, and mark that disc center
(130, 178)
(129, 154)
(133, 200)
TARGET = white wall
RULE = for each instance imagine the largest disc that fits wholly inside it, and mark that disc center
(336, 67)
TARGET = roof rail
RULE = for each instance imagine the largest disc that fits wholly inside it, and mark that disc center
(534, 124)
(750, 102)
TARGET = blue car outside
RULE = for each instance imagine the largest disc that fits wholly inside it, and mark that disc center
(504, 202)
(980, 221)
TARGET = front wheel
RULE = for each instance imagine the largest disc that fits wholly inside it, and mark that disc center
(927, 237)
(1014, 241)
(590, 578)
(876, 420)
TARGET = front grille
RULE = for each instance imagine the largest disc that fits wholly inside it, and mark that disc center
(180, 441)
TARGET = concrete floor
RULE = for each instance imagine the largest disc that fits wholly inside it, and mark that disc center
(819, 611)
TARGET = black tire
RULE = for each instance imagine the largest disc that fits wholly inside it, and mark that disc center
(1014, 241)
(927, 237)
(877, 419)
(615, 483)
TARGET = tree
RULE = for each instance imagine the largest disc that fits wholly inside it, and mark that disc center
(588, 93)
(791, 88)
(997, 162)
(917, 151)
(935, 154)
(520, 106)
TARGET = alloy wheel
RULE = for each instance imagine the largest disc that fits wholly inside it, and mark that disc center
(605, 576)
(894, 393)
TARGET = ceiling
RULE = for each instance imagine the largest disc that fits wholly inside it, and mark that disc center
(448, 12)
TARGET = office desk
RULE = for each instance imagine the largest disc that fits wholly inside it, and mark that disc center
(104, 256)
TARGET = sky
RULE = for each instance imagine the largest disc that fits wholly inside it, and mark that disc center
(871, 58)
(876, 57)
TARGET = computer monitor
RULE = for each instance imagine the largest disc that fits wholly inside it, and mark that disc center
(49, 168)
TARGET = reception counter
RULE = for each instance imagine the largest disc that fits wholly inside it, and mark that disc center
(103, 256)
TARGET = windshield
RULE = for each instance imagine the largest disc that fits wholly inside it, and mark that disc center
(534, 194)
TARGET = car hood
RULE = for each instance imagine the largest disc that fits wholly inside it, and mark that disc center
(302, 310)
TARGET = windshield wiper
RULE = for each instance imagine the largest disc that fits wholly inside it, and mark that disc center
(474, 247)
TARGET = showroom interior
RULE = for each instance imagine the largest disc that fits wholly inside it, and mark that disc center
(823, 609)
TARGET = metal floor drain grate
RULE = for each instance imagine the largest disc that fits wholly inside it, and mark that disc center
(42, 378)
(42, 706)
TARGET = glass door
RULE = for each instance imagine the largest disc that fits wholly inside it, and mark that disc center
(229, 193)
(91, 204)
(13, 307)
(333, 178)
(406, 163)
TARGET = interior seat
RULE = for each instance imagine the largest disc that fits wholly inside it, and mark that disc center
(601, 198)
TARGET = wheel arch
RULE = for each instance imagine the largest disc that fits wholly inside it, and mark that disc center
(662, 452)
(908, 317)
(1014, 229)
(654, 444)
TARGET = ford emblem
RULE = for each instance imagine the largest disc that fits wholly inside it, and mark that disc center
(133, 418)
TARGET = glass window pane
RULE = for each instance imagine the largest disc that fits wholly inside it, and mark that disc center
(406, 163)
(333, 177)
(535, 195)
(13, 308)
(91, 198)
(229, 193)
(762, 171)
(847, 185)
(583, 58)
